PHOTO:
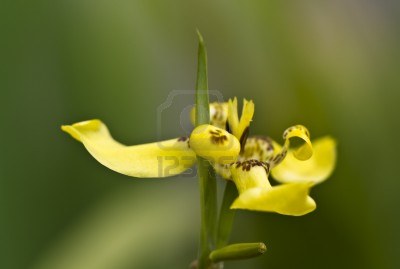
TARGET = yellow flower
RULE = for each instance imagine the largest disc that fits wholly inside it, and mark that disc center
(298, 168)
(247, 161)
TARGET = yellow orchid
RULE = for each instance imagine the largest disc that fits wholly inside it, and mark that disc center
(247, 161)
(298, 169)
(220, 142)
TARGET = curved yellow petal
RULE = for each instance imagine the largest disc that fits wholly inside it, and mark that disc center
(288, 199)
(214, 144)
(316, 169)
(159, 159)
(303, 152)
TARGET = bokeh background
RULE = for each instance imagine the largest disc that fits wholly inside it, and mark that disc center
(330, 65)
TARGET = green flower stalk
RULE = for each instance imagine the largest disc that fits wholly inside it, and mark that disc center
(207, 181)
(220, 144)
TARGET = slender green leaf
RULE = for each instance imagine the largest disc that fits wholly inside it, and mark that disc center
(202, 100)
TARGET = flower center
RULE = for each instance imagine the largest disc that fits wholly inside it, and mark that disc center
(259, 148)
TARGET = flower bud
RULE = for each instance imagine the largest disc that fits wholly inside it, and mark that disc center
(238, 251)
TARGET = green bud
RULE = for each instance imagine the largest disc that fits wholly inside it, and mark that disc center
(238, 252)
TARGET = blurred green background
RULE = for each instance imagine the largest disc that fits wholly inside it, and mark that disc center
(330, 65)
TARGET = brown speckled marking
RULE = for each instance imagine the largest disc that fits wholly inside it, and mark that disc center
(279, 157)
(217, 137)
(258, 147)
(215, 132)
(247, 165)
(287, 131)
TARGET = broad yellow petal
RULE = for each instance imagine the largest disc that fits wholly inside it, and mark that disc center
(159, 159)
(316, 169)
(288, 199)
(214, 144)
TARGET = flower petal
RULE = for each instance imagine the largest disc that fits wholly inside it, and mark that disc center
(288, 199)
(214, 144)
(303, 152)
(250, 174)
(240, 127)
(316, 169)
(159, 159)
(233, 117)
(246, 117)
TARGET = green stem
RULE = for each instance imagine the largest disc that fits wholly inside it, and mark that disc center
(208, 202)
(207, 180)
(226, 215)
